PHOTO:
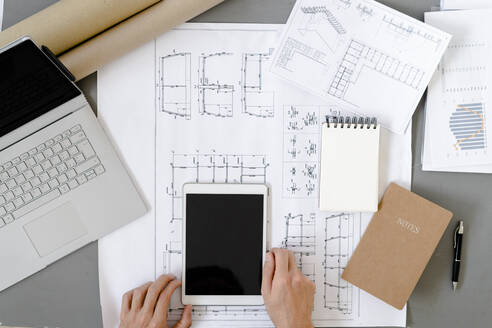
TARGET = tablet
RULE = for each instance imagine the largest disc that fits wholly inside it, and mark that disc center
(224, 243)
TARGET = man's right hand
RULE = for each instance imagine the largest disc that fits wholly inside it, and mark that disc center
(288, 294)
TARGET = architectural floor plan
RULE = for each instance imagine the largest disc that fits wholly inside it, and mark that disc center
(175, 84)
(348, 51)
(210, 111)
(241, 125)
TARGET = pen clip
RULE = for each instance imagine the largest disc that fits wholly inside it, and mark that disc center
(454, 237)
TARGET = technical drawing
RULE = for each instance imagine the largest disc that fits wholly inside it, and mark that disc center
(300, 179)
(210, 312)
(326, 14)
(359, 57)
(404, 30)
(310, 171)
(175, 84)
(311, 148)
(246, 145)
(293, 150)
(301, 147)
(309, 270)
(352, 53)
(467, 124)
(345, 3)
(311, 187)
(338, 247)
(171, 251)
(310, 119)
(307, 122)
(215, 88)
(300, 238)
(295, 53)
(321, 25)
(301, 150)
(365, 11)
(256, 100)
(212, 168)
(292, 188)
(172, 248)
(300, 235)
(292, 112)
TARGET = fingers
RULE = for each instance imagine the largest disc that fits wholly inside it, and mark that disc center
(313, 286)
(281, 261)
(292, 262)
(185, 321)
(268, 271)
(139, 296)
(155, 290)
(162, 305)
(126, 302)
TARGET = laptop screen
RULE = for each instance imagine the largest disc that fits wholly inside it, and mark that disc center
(30, 86)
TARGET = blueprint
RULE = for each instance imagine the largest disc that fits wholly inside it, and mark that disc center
(209, 111)
(359, 53)
(222, 118)
(457, 114)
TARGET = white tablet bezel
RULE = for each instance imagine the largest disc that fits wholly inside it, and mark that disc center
(237, 189)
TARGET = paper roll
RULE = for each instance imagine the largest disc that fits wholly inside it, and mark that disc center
(132, 33)
(67, 23)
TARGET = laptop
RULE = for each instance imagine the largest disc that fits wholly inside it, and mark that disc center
(62, 185)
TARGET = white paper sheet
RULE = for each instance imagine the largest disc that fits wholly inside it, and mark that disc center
(458, 98)
(360, 54)
(215, 104)
(465, 4)
(126, 110)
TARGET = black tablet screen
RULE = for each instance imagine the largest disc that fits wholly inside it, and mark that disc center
(224, 244)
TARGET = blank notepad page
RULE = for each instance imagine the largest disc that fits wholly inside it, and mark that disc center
(349, 167)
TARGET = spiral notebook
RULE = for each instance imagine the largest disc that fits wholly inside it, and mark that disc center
(349, 164)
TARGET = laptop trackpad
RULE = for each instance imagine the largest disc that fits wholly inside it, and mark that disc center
(55, 229)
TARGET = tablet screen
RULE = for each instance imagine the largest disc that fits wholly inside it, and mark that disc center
(224, 244)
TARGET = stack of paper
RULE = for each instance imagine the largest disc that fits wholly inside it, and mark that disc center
(458, 121)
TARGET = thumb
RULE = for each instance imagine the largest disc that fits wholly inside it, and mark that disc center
(268, 272)
(185, 320)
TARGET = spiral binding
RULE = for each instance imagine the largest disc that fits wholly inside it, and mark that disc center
(354, 121)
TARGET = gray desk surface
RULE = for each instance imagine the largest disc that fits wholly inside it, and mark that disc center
(66, 294)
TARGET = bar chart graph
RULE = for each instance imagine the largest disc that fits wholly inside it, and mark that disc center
(467, 123)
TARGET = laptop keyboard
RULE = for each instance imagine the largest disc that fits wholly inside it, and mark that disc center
(46, 172)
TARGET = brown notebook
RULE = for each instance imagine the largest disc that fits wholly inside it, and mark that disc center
(397, 245)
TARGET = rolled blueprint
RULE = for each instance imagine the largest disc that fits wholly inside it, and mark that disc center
(130, 34)
(67, 23)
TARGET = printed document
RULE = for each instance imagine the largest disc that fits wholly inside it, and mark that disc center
(457, 121)
(201, 106)
(361, 55)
